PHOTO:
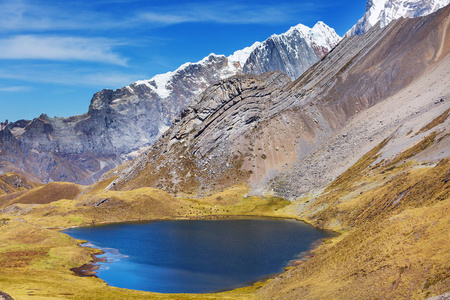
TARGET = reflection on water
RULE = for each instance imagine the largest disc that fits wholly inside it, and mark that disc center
(196, 256)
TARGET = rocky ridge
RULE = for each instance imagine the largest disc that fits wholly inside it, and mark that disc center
(121, 123)
(292, 52)
(385, 11)
(256, 141)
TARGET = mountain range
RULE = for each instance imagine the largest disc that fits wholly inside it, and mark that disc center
(266, 130)
(120, 123)
(357, 143)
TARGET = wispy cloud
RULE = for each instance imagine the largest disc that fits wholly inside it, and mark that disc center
(60, 48)
(13, 89)
(20, 15)
(226, 13)
(23, 16)
(61, 74)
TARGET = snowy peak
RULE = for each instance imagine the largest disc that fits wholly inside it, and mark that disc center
(163, 84)
(321, 38)
(321, 34)
(241, 56)
(385, 11)
(294, 51)
(158, 83)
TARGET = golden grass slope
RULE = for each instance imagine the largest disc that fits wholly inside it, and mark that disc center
(405, 256)
(35, 263)
(394, 216)
(43, 194)
(11, 182)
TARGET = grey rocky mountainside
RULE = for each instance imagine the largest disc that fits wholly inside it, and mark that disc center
(122, 122)
(289, 137)
(385, 11)
(292, 52)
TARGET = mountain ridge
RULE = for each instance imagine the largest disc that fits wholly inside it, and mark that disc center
(121, 123)
(385, 11)
(359, 73)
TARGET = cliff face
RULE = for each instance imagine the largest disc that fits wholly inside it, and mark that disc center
(81, 148)
(249, 128)
(385, 11)
(292, 52)
(121, 123)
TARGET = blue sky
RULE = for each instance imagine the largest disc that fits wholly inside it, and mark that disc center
(54, 55)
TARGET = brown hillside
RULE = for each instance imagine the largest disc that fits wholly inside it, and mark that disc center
(12, 182)
(255, 128)
(44, 194)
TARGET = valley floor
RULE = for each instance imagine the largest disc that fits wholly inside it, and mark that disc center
(390, 204)
(394, 221)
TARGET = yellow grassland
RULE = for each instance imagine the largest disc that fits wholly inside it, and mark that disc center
(393, 216)
(35, 261)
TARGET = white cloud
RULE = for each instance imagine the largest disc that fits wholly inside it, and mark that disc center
(19, 15)
(60, 49)
(45, 16)
(69, 76)
(13, 89)
(225, 13)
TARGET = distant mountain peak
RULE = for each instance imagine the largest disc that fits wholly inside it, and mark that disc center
(321, 38)
(161, 83)
(241, 56)
(294, 51)
(320, 34)
(385, 11)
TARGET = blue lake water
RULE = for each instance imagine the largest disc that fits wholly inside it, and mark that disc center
(196, 256)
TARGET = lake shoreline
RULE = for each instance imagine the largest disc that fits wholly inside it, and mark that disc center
(90, 269)
(211, 217)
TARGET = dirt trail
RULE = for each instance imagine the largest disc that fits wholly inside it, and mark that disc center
(444, 34)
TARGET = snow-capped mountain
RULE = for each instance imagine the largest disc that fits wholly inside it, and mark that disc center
(294, 51)
(386, 11)
(122, 122)
(291, 52)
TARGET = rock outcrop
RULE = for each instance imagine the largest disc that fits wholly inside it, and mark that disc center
(294, 51)
(5, 296)
(265, 131)
(385, 11)
(121, 123)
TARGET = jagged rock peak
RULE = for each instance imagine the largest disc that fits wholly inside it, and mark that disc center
(320, 35)
(294, 51)
(385, 11)
(161, 84)
(241, 56)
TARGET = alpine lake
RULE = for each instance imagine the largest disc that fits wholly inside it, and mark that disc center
(196, 256)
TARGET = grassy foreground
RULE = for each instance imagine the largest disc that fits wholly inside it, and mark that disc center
(394, 216)
(35, 258)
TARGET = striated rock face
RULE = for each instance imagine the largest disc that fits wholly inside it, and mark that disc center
(292, 52)
(201, 136)
(118, 123)
(224, 111)
(121, 123)
(385, 11)
(267, 131)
